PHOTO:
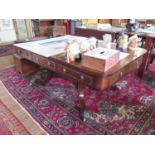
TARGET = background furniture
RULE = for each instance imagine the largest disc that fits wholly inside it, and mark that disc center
(89, 32)
(35, 27)
(55, 31)
(104, 21)
(87, 22)
(44, 25)
(144, 22)
(119, 22)
(73, 25)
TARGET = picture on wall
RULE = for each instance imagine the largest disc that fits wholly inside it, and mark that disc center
(21, 28)
(6, 24)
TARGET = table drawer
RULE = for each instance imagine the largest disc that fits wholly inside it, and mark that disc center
(18, 51)
(26, 55)
(132, 67)
(81, 77)
(135, 65)
(85, 79)
(44, 62)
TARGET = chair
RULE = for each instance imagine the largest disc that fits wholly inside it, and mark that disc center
(55, 31)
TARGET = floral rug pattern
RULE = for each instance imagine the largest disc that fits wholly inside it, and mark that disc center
(127, 108)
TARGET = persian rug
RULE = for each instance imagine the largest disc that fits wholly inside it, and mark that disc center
(127, 108)
(9, 124)
(6, 50)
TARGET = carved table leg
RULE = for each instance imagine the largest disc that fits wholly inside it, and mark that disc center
(23, 66)
(146, 58)
(81, 101)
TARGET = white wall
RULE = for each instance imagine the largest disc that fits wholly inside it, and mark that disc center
(7, 34)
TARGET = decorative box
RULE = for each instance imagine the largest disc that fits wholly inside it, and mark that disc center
(100, 59)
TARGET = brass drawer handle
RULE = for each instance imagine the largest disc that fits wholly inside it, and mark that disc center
(51, 64)
(121, 74)
(81, 95)
(137, 63)
(64, 70)
(37, 59)
(82, 77)
(18, 52)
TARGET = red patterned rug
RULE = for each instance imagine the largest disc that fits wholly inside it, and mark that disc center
(9, 124)
(6, 50)
(127, 109)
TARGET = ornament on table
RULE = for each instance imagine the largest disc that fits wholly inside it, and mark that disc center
(84, 45)
(72, 49)
(92, 42)
(133, 43)
(107, 39)
(139, 42)
(122, 42)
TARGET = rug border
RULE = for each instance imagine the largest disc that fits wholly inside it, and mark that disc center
(17, 119)
(1, 83)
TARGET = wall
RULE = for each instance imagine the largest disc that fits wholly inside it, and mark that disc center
(7, 31)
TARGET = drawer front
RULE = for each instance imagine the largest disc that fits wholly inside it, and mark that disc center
(26, 55)
(85, 79)
(135, 65)
(18, 51)
(36, 58)
(44, 62)
(49, 64)
(115, 77)
(132, 67)
(81, 77)
(65, 70)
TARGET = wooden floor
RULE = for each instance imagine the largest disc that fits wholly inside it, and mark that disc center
(6, 62)
(12, 104)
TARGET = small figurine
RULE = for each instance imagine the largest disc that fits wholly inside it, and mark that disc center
(133, 43)
(107, 39)
(88, 44)
(122, 42)
(84, 45)
(92, 42)
(72, 50)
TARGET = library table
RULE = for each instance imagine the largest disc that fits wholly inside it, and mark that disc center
(27, 59)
